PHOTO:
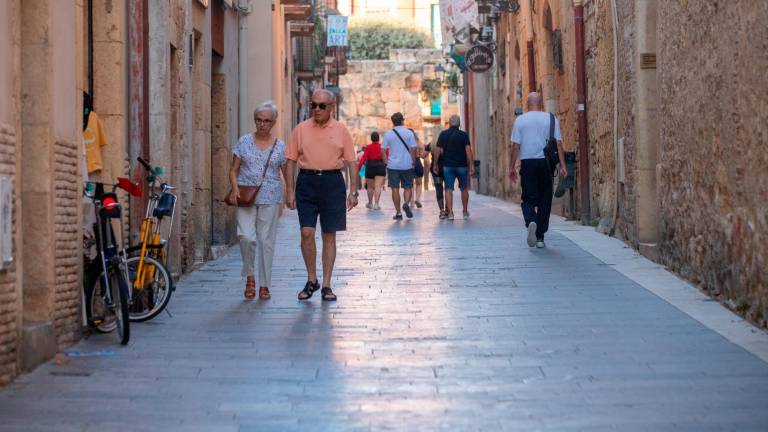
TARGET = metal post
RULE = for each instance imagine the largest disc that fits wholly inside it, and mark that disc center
(338, 89)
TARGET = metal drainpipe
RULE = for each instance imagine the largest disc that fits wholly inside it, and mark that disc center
(615, 27)
(243, 9)
(581, 111)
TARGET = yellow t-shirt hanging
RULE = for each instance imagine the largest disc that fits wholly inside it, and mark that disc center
(93, 138)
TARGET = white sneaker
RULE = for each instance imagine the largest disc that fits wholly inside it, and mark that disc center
(532, 234)
(540, 244)
(376, 207)
(450, 216)
(369, 206)
(466, 215)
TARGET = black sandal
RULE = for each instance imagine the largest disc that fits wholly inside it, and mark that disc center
(327, 294)
(308, 290)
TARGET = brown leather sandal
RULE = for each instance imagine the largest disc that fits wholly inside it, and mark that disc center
(264, 293)
(250, 289)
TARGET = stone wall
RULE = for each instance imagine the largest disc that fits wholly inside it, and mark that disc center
(714, 130)
(692, 127)
(10, 288)
(10, 298)
(373, 90)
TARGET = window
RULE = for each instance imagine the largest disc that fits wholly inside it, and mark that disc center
(557, 50)
(436, 108)
(435, 26)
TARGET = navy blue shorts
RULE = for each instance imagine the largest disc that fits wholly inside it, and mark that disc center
(451, 174)
(323, 195)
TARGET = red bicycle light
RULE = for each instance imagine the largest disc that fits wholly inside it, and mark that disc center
(109, 203)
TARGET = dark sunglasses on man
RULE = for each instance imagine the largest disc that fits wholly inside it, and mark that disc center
(322, 106)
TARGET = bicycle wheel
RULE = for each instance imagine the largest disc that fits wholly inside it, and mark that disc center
(118, 287)
(153, 295)
(109, 312)
(98, 310)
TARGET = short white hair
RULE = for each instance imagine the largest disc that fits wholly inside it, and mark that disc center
(266, 106)
(330, 94)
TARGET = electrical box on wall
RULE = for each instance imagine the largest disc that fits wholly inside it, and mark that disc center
(6, 222)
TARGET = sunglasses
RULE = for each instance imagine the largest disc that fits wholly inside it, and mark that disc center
(322, 106)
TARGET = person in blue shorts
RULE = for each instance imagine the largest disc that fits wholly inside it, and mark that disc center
(454, 147)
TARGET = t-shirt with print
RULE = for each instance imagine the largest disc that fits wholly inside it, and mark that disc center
(399, 158)
(531, 131)
(454, 143)
(252, 161)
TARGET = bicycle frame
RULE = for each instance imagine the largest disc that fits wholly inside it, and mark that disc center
(108, 251)
(150, 236)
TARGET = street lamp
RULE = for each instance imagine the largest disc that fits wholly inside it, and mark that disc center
(439, 72)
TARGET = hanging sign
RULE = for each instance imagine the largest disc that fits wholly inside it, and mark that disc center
(457, 16)
(338, 33)
(479, 58)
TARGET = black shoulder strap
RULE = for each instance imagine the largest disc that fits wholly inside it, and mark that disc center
(551, 126)
(408, 149)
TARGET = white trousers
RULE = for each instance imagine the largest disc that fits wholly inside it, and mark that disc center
(257, 231)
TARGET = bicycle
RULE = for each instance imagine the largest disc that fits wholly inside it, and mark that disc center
(107, 299)
(151, 283)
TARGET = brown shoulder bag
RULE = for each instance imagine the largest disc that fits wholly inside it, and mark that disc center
(248, 193)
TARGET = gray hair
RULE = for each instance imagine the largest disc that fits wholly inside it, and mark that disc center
(330, 94)
(455, 120)
(266, 106)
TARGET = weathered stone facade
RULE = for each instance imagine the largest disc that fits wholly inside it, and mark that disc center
(10, 288)
(713, 176)
(166, 82)
(677, 163)
(373, 90)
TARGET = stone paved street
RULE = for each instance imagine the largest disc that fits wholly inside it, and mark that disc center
(439, 326)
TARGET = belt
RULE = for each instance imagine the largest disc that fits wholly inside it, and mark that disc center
(319, 172)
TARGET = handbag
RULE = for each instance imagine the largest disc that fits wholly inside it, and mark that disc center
(248, 193)
(550, 150)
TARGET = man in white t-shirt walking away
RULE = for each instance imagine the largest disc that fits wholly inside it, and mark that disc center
(529, 137)
(400, 143)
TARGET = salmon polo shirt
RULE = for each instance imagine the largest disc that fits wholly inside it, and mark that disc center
(321, 147)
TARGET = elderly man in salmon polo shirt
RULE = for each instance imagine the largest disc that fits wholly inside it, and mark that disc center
(321, 146)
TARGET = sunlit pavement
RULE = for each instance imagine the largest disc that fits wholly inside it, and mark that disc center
(439, 326)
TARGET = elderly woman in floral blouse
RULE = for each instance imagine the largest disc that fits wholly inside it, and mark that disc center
(257, 225)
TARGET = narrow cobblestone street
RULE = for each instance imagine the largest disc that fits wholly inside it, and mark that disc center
(439, 326)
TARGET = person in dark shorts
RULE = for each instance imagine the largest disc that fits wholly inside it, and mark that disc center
(418, 173)
(436, 168)
(454, 148)
(375, 171)
(321, 146)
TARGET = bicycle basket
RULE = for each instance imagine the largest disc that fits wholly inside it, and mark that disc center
(164, 205)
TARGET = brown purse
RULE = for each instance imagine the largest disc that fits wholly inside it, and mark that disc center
(248, 193)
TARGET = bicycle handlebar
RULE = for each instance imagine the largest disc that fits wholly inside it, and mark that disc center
(144, 163)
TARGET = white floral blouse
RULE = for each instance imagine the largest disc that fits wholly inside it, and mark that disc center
(252, 164)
